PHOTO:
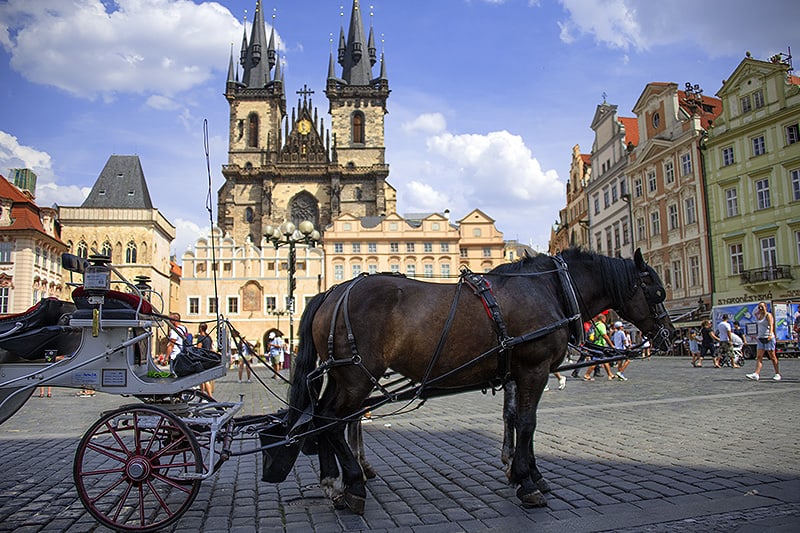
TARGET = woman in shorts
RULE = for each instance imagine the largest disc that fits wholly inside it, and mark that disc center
(765, 341)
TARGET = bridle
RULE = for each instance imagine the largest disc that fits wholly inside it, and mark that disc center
(655, 296)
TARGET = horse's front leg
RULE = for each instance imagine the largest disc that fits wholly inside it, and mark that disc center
(523, 468)
(355, 439)
(355, 492)
(509, 422)
(329, 480)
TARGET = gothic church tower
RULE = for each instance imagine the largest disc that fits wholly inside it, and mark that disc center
(288, 166)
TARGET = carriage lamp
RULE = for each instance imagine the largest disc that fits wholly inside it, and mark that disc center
(97, 278)
(142, 284)
(287, 234)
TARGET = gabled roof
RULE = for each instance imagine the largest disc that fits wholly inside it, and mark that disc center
(24, 213)
(587, 159)
(121, 185)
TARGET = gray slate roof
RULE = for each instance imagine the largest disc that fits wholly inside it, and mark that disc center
(121, 184)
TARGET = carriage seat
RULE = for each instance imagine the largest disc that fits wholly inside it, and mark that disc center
(118, 305)
(42, 329)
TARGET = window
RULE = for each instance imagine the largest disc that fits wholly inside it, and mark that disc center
(394, 247)
(358, 127)
(444, 247)
(106, 250)
(744, 104)
(758, 99)
(248, 215)
(686, 164)
(411, 270)
(445, 270)
(81, 251)
(372, 247)
(655, 223)
(462, 252)
(669, 172)
(677, 275)
(694, 271)
(5, 251)
(617, 242)
(651, 181)
(427, 270)
(3, 300)
(795, 176)
(38, 256)
(637, 187)
(614, 193)
(691, 210)
(596, 204)
(759, 147)
(476, 232)
(355, 269)
(194, 305)
(792, 134)
(672, 214)
(394, 268)
(487, 252)
(233, 305)
(356, 247)
(731, 202)
(130, 253)
(656, 120)
(252, 130)
(410, 247)
(737, 258)
(271, 303)
(212, 305)
(625, 232)
(640, 233)
(372, 268)
(338, 272)
(762, 194)
(769, 254)
(606, 198)
(609, 242)
(598, 238)
(727, 156)
(427, 247)
(338, 248)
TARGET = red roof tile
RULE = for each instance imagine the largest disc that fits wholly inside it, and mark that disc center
(631, 129)
(24, 213)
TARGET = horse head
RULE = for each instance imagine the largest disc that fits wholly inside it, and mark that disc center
(645, 307)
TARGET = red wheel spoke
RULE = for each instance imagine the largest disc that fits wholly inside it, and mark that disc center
(172, 483)
(122, 500)
(103, 451)
(161, 502)
(109, 489)
(155, 434)
(102, 472)
(113, 432)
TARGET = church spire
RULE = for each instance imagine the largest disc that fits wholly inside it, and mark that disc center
(257, 65)
(356, 69)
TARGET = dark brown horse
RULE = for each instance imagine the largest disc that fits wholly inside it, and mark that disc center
(443, 338)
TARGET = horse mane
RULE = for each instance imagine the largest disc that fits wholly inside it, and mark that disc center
(619, 275)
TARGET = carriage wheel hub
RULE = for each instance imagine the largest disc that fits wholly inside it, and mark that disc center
(138, 469)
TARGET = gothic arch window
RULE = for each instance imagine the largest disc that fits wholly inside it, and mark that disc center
(358, 127)
(82, 250)
(304, 207)
(106, 249)
(143, 257)
(252, 130)
(248, 215)
(130, 252)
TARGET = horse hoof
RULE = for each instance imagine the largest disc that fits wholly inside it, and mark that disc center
(355, 503)
(339, 503)
(531, 499)
(543, 485)
(369, 472)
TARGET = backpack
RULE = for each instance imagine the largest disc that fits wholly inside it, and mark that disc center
(592, 334)
(188, 340)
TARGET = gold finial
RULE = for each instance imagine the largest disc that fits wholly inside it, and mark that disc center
(341, 11)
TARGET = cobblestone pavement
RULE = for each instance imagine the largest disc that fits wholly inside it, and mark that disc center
(675, 448)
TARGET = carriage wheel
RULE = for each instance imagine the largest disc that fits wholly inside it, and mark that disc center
(130, 468)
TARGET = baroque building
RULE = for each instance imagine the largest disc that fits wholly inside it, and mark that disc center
(30, 246)
(292, 167)
(572, 226)
(118, 219)
(753, 155)
(667, 178)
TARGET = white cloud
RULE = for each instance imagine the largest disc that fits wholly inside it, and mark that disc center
(643, 24)
(48, 192)
(139, 46)
(427, 123)
(186, 235)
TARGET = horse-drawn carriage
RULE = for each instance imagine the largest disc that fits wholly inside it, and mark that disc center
(139, 467)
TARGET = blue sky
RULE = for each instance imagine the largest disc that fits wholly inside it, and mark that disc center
(488, 96)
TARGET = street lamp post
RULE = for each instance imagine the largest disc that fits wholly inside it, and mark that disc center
(288, 235)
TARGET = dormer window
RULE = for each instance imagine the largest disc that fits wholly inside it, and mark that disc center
(131, 193)
(101, 192)
(656, 120)
(120, 175)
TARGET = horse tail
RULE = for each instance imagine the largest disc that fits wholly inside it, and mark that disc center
(302, 392)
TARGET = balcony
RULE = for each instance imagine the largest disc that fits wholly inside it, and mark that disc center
(770, 273)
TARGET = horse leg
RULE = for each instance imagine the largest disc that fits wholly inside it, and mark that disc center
(355, 492)
(355, 438)
(329, 480)
(528, 393)
(509, 421)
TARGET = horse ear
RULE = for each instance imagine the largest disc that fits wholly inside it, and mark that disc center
(639, 260)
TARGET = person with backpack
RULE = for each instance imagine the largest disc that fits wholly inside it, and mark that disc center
(598, 336)
(177, 334)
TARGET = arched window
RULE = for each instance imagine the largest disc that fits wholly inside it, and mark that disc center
(252, 130)
(130, 253)
(304, 207)
(358, 127)
(248, 215)
(82, 250)
(106, 249)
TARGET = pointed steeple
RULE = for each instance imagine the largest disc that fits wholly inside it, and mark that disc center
(243, 52)
(371, 46)
(356, 70)
(271, 54)
(257, 67)
(231, 70)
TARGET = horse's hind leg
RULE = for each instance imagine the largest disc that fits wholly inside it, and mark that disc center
(509, 421)
(329, 480)
(355, 438)
(355, 492)
(523, 467)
